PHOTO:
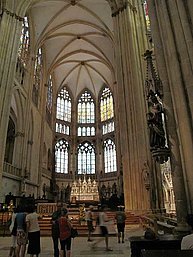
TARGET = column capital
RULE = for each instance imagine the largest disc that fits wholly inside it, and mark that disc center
(123, 7)
(12, 14)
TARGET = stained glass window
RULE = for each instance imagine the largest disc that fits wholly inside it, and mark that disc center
(110, 159)
(49, 94)
(86, 131)
(23, 51)
(61, 156)
(86, 158)
(37, 76)
(64, 105)
(86, 108)
(106, 105)
(62, 128)
(145, 6)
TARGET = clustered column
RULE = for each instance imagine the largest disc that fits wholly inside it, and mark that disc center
(167, 20)
(131, 107)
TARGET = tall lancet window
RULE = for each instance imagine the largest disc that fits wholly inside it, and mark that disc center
(110, 159)
(64, 105)
(49, 94)
(146, 13)
(86, 158)
(23, 52)
(107, 111)
(61, 156)
(86, 115)
(63, 112)
(86, 108)
(37, 76)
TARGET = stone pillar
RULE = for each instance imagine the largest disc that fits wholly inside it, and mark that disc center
(174, 104)
(99, 142)
(73, 146)
(131, 107)
(10, 29)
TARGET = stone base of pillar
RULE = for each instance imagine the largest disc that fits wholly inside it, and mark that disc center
(159, 211)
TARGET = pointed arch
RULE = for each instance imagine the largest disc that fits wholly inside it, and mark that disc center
(110, 159)
(86, 158)
(62, 156)
(85, 107)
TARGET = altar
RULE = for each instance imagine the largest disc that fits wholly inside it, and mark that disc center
(84, 190)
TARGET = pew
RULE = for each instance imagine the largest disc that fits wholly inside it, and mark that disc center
(139, 243)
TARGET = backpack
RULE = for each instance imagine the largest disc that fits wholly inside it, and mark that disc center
(64, 228)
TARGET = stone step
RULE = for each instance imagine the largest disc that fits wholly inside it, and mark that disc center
(45, 222)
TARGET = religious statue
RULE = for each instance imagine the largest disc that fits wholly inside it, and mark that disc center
(44, 191)
(114, 188)
(62, 193)
(155, 122)
(146, 175)
(67, 193)
(84, 190)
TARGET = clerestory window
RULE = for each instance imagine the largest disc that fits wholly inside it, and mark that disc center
(107, 111)
(23, 52)
(64, 105)
(86, 108)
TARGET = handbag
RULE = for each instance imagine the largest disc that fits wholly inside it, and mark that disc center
(74, 232)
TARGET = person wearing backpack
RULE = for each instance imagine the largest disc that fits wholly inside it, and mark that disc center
(55, 229)
(65, 234)
(120, 218)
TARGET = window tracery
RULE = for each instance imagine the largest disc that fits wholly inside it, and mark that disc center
(107, 111)
(64, 104)
(110, 160)
(86, 108)
(86, 158)
(23, 52)
(37, 76)
(49, 94)
(61, 156)
(106, 105)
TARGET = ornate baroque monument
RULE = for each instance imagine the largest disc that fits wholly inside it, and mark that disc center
(84, 190)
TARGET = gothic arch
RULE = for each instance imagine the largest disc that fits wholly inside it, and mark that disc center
(23, 5)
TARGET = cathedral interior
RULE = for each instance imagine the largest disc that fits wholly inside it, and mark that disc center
(96, 102)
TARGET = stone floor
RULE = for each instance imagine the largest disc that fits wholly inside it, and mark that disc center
(80, 246)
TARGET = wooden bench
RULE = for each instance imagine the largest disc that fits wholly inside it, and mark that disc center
(139, 243)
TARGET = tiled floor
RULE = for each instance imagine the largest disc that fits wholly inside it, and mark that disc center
(80, 246)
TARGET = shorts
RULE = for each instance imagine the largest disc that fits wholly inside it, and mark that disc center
(120, 227)
(90, 226)
(65, 244)
(104, 231)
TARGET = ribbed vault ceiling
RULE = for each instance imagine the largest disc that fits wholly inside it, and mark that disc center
(78, 42)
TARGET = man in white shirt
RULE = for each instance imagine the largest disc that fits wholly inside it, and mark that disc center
(103, 224)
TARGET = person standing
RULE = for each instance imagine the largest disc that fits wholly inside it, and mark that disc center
(21, 232)
(33, 230)
(65, 234)
(120, 218)
(89, 219)
(55, 229)
(187, 241)
(13, 231)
